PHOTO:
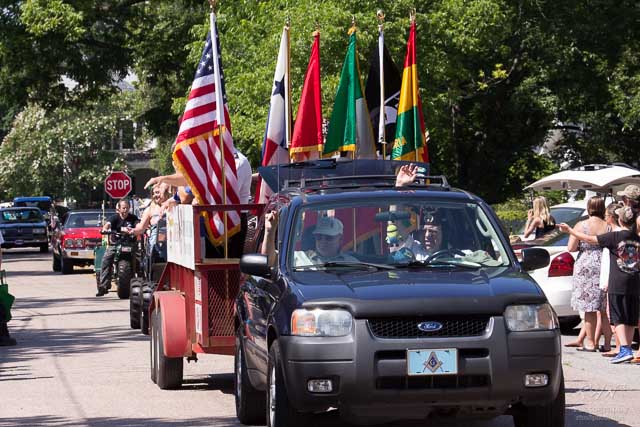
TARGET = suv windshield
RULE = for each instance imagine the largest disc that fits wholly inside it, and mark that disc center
(21, 215)
(387, 234)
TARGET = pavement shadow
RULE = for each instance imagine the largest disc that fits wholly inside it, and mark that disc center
(220, 382)
(35, 343)
(575, 418)
(115, 421)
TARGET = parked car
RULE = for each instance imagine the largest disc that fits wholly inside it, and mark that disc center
(380, 335)
(23, 228)
(41, 202)
(556, 279)
(75, 237)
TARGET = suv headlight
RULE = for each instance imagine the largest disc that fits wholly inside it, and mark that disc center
(539, 317)
(321, 323)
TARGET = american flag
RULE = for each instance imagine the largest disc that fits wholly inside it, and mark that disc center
(197, 151)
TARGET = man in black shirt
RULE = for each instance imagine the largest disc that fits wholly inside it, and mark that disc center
(624, 278)
(122, 222)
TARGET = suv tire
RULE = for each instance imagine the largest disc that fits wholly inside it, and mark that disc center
(279, 411)
(250, 402)
(551, 415)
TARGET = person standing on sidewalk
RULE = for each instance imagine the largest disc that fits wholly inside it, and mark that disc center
(624, 277)
(5, 337)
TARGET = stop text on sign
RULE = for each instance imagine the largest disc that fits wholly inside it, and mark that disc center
(117, 185)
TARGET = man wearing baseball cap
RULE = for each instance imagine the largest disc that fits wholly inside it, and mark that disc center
(631, 197)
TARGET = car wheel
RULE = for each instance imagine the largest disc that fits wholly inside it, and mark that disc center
(55, 265)
(250, 402)
(66, 265)
(134, 304)
(169, 370)
(279, 411)
(124, 279)
(551, 415)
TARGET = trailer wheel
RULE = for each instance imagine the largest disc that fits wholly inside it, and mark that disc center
(124, 278)
(250, 403)
(145, 302)
(280, 413)
(134, 303)
(168, 369)
(153, 347)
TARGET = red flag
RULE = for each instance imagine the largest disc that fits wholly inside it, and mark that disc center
(197, 153)
(306, 142)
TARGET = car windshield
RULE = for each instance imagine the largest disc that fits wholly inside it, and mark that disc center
(21, 215)
(84, 220)
(387, 234)
(562, 214)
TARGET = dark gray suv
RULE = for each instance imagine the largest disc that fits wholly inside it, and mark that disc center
(386, 303)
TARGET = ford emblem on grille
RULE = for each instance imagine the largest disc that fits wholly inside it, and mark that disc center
(430, 326)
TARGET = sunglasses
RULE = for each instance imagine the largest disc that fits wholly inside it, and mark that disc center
(325, 237)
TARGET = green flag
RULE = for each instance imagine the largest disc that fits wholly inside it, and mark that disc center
(350, 127)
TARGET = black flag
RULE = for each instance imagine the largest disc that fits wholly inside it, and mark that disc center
(392, 83)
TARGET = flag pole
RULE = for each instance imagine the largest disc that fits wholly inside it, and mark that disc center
(381, 117)
(219, 115)
(412, 18)
(287, 87)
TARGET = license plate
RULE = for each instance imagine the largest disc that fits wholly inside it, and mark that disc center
(442, 361)
(125, 249)
(73, 254)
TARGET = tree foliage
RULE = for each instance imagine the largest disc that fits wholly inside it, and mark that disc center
(496, 76)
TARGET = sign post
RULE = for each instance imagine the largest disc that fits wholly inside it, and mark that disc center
(117, 185)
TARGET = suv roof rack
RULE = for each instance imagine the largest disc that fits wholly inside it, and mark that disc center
(332, 173)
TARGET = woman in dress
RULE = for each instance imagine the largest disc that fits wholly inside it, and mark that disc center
(587, 295)
(539, 219)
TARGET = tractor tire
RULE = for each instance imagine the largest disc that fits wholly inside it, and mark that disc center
(153, 347)
(134, 303)
(250, 402)
(55, 265)
(66, 266)
(124, 278)
(169, 370)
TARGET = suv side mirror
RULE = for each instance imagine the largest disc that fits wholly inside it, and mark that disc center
(534, 258)
(255, 265)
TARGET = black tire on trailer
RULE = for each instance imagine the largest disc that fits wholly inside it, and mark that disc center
(145, 301)
(55, 265)
(550, 415)
(169, 370)
(124, 278)
(153, 347)
(250, 402)
(66, 265)
(279, 411)
(134, 303)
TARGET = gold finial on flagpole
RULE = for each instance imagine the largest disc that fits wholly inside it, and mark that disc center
(317, 30)
(287, 21)
(412, 15)
(353, 20)
(213, 4)
(380, 15)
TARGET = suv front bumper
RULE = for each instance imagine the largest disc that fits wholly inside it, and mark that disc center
(370, 374)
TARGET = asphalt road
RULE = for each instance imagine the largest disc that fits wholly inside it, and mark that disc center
(77, 363)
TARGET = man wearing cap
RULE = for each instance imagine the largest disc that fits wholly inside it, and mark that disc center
(624, 285)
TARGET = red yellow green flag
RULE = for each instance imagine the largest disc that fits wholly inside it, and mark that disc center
(410, 141)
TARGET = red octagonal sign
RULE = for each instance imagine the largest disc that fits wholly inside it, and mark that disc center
(117, 185)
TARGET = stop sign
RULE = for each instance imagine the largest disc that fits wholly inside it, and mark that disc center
(117, 185)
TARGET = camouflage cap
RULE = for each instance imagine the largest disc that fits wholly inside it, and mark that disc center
(631, 191)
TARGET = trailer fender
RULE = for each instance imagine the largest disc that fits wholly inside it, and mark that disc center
(174, 322)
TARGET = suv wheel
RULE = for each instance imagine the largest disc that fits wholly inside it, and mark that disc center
(551, 415)
(280, 413)
(250, 403)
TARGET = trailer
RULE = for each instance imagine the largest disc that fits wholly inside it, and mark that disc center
(192, 308)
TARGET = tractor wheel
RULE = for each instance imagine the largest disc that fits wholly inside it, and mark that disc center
(145, 301)
(66, 265)
(169, 370)
(55, 266)
(124, 278)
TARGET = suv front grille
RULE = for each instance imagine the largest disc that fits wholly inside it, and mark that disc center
(432, 382)
(408, 327)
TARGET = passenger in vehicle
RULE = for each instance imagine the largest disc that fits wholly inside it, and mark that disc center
(153, 213)
(539, 219)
